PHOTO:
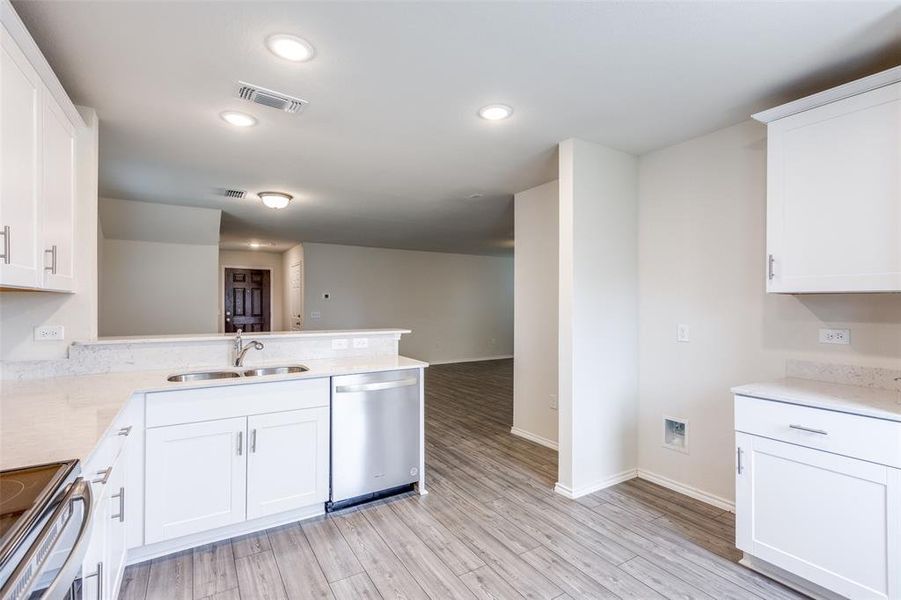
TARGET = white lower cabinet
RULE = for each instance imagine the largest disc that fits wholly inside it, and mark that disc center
(210, 474)
(104, 562)
(195, 478)
(828, 519)
(288, 460)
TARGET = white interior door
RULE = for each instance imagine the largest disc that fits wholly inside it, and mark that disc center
(832, 520)
(834, 196)
(288, 461)
(20, 114)
(195, 478)
(58, 194)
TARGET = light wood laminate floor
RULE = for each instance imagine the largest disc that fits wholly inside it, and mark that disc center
(491, 527)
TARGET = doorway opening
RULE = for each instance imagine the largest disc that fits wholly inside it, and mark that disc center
(247, 300)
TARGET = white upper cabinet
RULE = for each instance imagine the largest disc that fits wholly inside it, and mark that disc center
(38, 129)
(58, 192)
(20, 172)
(834, 190)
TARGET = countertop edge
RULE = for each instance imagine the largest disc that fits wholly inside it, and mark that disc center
(836, 397)
(218, 337)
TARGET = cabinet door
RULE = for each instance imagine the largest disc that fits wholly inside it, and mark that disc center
(195, 478)
(834, 196)
(288, 461)
(58, 197)
(20, 115)
(116, 498)
(832, 520)
(93, 568)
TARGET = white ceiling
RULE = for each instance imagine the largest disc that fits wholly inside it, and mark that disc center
(390, 148)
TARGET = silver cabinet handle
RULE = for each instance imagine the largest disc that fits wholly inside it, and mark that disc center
(80, 491)
(99, 575)
(104, 476)
(770, 272)
(121, 514)
(809, 430)
(372, 387)
(125, 431)
(5, 233)
(240, 443)
(253, 441)
(738, 455)
(52, 252)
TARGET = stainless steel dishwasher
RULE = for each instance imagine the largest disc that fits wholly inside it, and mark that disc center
(375, 435)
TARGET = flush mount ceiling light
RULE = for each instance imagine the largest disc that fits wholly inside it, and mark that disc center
(238, 119)
(290, 47)
(495, 112)
(275, 199)
(255, 245)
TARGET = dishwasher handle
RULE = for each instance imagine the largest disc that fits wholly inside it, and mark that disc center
(376, 386)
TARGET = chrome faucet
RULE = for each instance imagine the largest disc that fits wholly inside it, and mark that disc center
(241, 350)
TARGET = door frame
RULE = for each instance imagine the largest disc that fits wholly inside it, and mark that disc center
(221, 295)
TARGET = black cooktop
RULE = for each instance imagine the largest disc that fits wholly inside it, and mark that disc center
(23, 491)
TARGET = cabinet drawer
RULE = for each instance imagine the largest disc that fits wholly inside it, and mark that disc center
(874, 440)
(224, 402)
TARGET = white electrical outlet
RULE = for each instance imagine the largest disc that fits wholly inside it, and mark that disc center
(340, 344)
(835, 336)
(553, 401)
(361, 342)
(49, 332)
(682, 333)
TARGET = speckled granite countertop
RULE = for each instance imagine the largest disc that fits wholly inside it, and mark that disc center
(61, 418)
(858, 400)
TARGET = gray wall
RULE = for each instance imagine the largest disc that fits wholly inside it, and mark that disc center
(152, 288)
(459, 306)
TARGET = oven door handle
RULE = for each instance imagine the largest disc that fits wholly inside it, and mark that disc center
(59, 587)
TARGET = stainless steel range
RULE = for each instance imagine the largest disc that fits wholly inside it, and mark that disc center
(45, 519)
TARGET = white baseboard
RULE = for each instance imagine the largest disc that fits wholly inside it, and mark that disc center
(687, 490)
(155, 550)
(468, 360)
(528, 435)
(595, 487)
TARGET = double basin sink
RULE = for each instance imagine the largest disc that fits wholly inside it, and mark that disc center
(205, 375)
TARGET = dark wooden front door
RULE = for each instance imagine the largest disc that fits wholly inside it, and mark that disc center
(246, 300)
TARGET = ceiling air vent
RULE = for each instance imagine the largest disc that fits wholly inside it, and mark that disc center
(235, 193)
(271, 98)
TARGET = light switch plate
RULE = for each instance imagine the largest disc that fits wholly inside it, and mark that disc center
(340, 344)
(835, 336)
(682, 333)
(361, 342)
(47, 333)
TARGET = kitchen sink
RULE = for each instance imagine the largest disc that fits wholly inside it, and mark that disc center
(203, 375)
(276, 370)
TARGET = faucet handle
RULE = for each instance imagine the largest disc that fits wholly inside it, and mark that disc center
(239, 331)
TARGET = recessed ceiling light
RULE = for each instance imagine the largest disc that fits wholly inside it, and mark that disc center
(290, 47)
(238, 119)
(495, 112)
(275, 199)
